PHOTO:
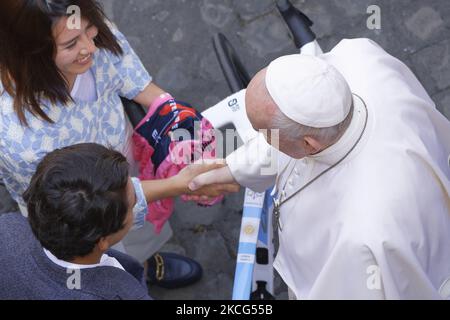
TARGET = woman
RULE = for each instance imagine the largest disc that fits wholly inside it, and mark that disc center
(60, 86)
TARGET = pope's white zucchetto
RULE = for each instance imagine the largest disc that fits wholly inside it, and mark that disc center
(309, 91)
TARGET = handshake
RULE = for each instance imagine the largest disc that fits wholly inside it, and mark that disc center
(201, 182)
(205, 180)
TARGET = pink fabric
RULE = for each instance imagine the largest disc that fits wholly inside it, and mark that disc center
(160, 211)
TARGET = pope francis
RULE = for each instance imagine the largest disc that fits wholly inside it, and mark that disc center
(362, 175)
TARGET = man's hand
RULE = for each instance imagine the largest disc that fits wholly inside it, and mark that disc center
(178, 185)
(212, 180)
(201, 189)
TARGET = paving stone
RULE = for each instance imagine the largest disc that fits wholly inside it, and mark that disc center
(190, 215)
(171, 75)
(251, 9)
(209, 243)
(216, 12)
(354, 8)
(433, 66)
(425, 22)
(442, 101)
(266, 35)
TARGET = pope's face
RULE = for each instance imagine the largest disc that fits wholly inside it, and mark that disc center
(296, 149)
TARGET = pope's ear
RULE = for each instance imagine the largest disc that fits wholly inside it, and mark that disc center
(311, 145)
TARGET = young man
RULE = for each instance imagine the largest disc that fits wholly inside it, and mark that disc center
(80, 203)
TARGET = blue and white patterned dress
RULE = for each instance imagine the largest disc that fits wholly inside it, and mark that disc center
(102, 121)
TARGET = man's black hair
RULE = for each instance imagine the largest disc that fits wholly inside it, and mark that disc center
(76, 197)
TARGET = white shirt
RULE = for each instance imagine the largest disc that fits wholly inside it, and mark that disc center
(105, 261)
(378, 225)
(84, 87)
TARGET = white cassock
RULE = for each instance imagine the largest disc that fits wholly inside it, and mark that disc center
(378, 225)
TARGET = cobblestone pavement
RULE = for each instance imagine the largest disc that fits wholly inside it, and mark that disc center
(173, 38)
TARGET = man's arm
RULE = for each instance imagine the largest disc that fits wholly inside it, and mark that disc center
(178, 185)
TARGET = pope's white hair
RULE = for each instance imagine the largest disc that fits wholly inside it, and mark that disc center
(295, 131)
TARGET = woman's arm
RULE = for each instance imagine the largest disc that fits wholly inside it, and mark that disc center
(148, 95)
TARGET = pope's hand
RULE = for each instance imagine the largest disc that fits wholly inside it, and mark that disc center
(204, 190)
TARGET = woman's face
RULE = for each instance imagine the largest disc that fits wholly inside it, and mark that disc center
(74, 47)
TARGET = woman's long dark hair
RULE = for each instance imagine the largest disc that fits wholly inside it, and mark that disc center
(27, 51)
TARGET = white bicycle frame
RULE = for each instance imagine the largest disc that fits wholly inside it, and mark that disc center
(256, 225)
